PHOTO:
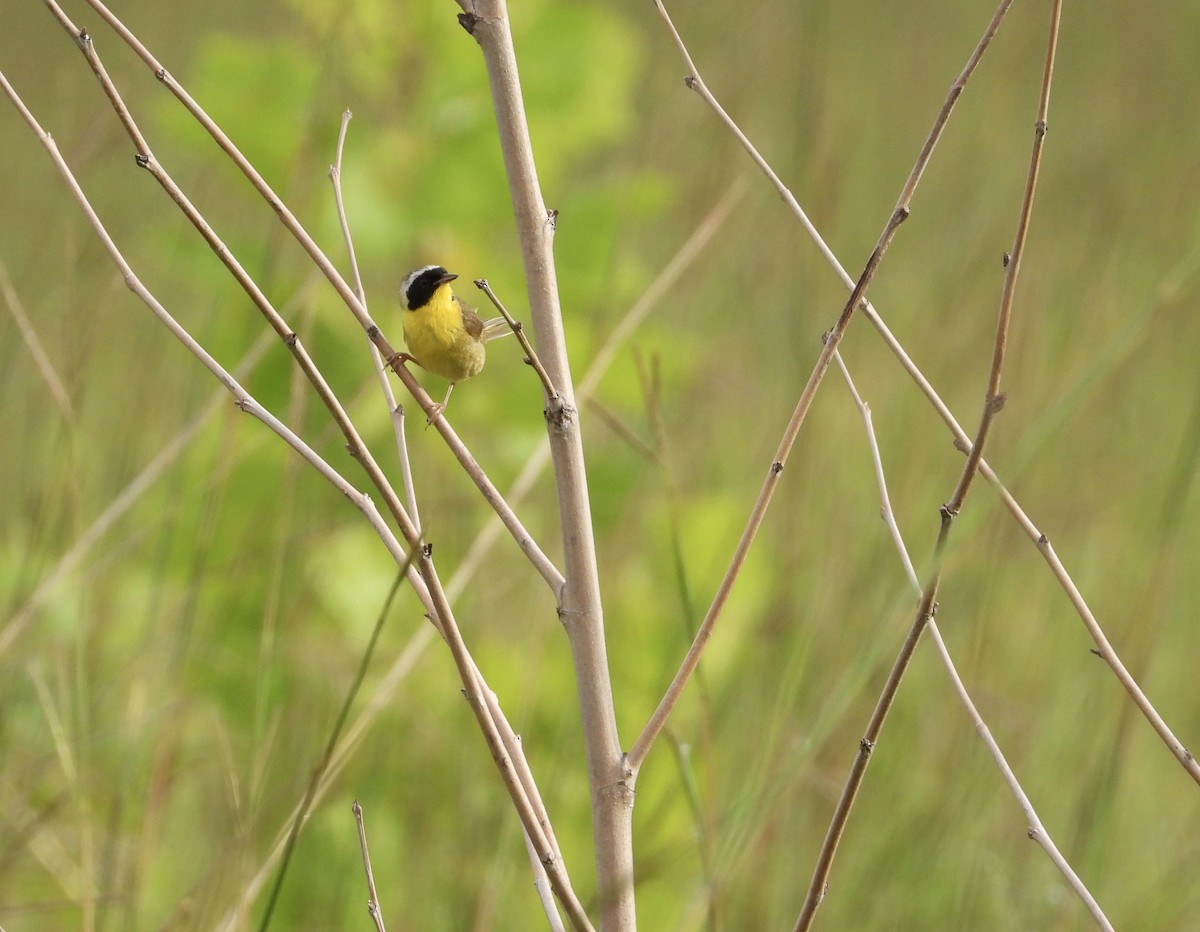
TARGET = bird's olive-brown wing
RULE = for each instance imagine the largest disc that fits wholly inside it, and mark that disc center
(472, 322)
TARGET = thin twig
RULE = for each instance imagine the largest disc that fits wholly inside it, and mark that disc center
(552, 396)
(900, 212)
(1104, 649)
(949, 511)
(377, 364)
(41, 359)
(372, 896)
(624, 431)
(541, 886)
(1036, 829)
(993, 400)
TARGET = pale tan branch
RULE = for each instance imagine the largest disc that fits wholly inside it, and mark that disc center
(580, 607)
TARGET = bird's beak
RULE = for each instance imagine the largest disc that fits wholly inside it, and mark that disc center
(448, 277)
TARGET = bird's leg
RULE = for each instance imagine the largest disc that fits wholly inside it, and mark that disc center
(437, 409)
(398, 358)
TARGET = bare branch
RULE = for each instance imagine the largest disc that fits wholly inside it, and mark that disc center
(580, 606)
(372, 896)
(377, 364)
(1036, 829)
(1105, 649)
(928, 604)
(530, 356)
(641, 747)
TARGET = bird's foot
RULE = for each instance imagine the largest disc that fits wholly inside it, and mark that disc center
(435, 411)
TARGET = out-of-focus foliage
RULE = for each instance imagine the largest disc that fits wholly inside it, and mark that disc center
(170, 695)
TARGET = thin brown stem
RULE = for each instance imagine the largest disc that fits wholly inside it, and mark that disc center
(41, 359)
(377, 364)
(857, 299)
(372, 895)
(637, 754)
(331, 743)
(519, 330)
(993, 400)
(949, 511)
(1036, 829)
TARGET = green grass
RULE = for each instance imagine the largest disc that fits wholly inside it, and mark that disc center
(167, 701)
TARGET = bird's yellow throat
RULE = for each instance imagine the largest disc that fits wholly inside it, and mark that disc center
(435, 335)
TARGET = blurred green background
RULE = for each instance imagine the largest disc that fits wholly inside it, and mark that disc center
(167, 698)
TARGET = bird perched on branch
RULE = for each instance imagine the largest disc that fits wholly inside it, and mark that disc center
(444, 334)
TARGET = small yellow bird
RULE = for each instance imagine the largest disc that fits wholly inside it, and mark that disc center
(443, 332)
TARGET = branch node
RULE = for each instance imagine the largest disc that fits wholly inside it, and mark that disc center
(866, 746)
(776, 468)
(427, 550)
(996, 403)
(142, 159)
(83, 40)
(468, 21)
(690, 82)
(552, 218)
(559, 415)
(1007, 258)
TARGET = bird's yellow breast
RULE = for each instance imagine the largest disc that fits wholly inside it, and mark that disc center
(437, 338)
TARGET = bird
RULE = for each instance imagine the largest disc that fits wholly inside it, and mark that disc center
(444, 334)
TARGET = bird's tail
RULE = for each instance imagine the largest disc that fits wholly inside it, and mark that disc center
(494, 329)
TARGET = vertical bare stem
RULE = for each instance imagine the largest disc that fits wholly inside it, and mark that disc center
(579, 603)
(994, 401)
(372, 895)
